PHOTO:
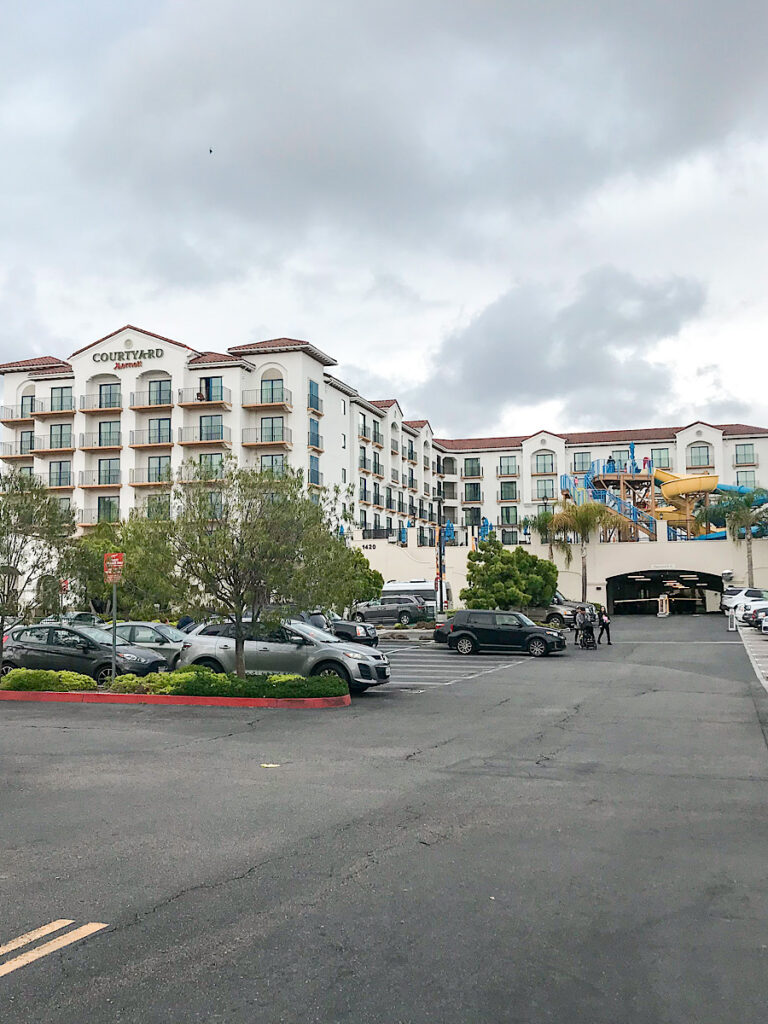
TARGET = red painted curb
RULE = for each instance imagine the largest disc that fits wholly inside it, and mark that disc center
(92, 697)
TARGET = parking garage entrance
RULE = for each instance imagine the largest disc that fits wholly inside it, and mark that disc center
(688, 592)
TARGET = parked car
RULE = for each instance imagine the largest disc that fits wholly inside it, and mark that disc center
(738, 595)
(73, 619)
(292, 647)
(560, 612)
(85, 649)
(392, 608)
(474, 631)
(353, 632)
(442, 631)
(756, 617)
(744, 609)
(159, 637)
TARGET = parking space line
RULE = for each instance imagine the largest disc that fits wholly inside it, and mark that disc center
(38, 933)
(50, 947)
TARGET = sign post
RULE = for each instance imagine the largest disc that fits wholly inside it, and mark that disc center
(113, 573)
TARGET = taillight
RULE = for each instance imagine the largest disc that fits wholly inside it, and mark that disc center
(451, 627)
(186, 646)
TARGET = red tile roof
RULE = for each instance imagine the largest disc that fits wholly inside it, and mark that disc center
(595, 436)
(469, 443)
(271, 343)
(415, 423)
(130, 327)
(37, 363)
(213, 357)
(384, 403)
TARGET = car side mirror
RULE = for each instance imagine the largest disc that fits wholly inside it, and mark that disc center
(162, 639)
(300, 641)
(84, 645)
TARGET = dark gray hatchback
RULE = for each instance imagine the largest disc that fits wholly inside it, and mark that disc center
(473, 631)
(85, 649)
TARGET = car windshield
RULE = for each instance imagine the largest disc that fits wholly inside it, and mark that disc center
(171, 632)
(313, 633)
(100, 636)
(526, 620)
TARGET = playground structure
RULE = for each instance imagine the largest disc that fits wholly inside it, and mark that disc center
(648, 498)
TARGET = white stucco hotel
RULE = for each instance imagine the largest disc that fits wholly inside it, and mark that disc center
(104, 429)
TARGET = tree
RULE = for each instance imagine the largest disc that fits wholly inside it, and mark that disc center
(246, 542)
(33, 531)
(541, 523)
(149, 587)
(741, 514)
(581, 521)
(351, 578)
(500, 578)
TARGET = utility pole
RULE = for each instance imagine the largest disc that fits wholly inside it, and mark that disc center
(440, 554)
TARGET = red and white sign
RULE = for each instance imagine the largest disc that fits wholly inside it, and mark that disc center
(113, 567)
(63, 586)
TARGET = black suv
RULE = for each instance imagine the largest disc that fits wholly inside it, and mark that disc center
(473, 631)
(84, 649)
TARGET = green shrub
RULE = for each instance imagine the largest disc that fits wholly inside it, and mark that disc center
(194, 681)
(43, 679)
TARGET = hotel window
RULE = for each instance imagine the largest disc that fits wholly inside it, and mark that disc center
(160, 431)
(109, 471)
(25, 471)
(272, 464)
(508, 515)
(509, 490)
(272, 390)
(545, 489)
(314, 432)
(215, 504)
(699, 455)
(343, 440)
(109, 433)
(581, 461)
(159, 506)
(212, 428)
(27, 405)
(160, 392)
(108, 510)
(508, 465)
(59, 474)
(745, 454)
(61, 435)
(471, 467)
(65, 504)
(211, 464)
(343, 475)
(272, 428)
(660, 458)
(545, 463)
(211, 389)
(343, 407)
(26, 442)
(109, 396)
(746, 478)
(376, 521)
(314, 469)
(363, 518)
(621, 458)
(509, 536)
(472, 516)
(61, 399)
(158, 468)
(472, 492)
(314, 396)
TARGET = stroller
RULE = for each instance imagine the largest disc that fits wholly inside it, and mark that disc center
(586, 637)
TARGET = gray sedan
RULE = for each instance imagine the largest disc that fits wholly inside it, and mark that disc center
(295, 647)
(155, 636)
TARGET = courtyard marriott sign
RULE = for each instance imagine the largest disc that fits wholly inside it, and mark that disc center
(128, 357)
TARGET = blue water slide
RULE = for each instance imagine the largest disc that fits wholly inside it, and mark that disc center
(733, 489)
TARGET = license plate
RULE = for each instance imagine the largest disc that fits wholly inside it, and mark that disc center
(163, 668)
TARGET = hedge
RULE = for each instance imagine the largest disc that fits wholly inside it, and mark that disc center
(44, 679)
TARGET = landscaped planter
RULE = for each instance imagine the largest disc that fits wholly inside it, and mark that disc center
(92, 697)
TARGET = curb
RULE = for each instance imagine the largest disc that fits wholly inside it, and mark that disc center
(91, 697)
(420, 637)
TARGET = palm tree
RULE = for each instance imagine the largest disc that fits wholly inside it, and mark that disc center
(581, 521)
(741, 513)
(540, 523)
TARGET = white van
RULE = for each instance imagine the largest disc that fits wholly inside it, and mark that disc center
(424, 589)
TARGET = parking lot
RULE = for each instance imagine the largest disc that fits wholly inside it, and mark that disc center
(576, 838)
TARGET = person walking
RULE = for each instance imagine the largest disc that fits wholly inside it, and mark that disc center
(579, 622)
(605, 626)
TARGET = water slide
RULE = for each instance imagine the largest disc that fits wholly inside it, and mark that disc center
(680, 493)
(732, 489)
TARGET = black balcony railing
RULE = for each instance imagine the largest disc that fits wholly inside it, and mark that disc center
(394, 448)
(275, 434)
(154, 436)
(108, 439)
(364, 432)
(377, 533)
(152, 398)
(315, 441)
(112, 400)
(212, 432)
(314, 403)
(364, 464)
(53, 442)
(152, 475)
(378, 467)
(64, 403)
(26, 447)
(199, 396)
(99, 477)
(315, 478)
(65, 478)
(378, 437)
(268, 396)
(103, 514)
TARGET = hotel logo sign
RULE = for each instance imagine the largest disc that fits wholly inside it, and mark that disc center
(128, 357)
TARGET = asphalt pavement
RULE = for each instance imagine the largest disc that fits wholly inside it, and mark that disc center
(578, 838)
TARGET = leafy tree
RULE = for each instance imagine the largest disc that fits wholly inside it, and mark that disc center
(149, 587)
(500, 578)
(581, 522)
(541, 523)
(740, 515)
(247, 542)
(351, 578)
(33, 531)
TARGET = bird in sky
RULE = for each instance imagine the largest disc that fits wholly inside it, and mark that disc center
(210, 151)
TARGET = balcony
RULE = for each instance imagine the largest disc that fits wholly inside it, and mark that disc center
(93, 516)
(426, 463)
(411, 457)
(425, 538)
(378, 470)
(12, 414)
(378, 438)
(395, 476)
(364, 497)
(377, 533)
(314, 478)
(268, 398)
(391, 507)
(378, 501)
(314, 404)
(412, 511)
(215, 433)
(579, 470)
(25, 450)
(94, 478)
(449, 467)
(151, 438)
(315, 442)
(426, 491)
(364, 433)
(401, 509)
(90, 404)
(505, 474)
(157, 476)
(46, 408)
(498, 525)
(45, 445)
(142, 400)
(413, 486)
(739, 462)
(255, 437)
(57, 481)
(394, 448)
(200, 472)
(101, 442)
(473, 499)
(364, 465)
(514, 497)
(197, 398)
(472, 476)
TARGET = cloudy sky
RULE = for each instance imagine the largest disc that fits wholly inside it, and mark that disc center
(511, 214)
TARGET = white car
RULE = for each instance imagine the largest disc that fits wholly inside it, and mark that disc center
(744, 609)
(733, 596)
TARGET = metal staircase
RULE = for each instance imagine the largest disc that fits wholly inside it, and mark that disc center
(586, 492)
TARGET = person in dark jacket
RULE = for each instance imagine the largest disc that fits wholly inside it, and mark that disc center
(605, 626)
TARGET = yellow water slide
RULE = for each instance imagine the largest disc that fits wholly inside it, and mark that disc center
(681, 492)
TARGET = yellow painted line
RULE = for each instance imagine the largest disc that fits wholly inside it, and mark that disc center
(50, 947)
(38, 933)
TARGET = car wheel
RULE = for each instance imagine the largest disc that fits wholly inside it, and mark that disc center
(466, 645)
(358, 617)
(214, 666)
(330, 668)
(404, 618)
(537, 648)
(104, 675)
(556, 620)
(8, 666)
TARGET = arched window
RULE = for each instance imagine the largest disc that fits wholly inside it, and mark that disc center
(272, 387)
(543, 461)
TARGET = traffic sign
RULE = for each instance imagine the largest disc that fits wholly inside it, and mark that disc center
(113, 567)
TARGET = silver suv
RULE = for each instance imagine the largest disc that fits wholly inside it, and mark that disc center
(293, 647)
